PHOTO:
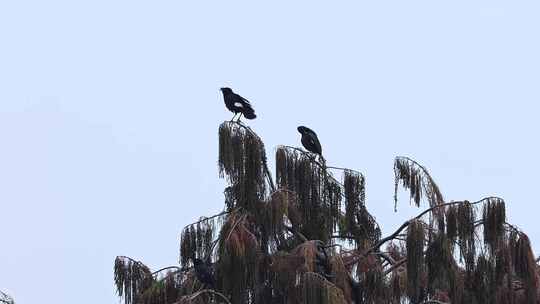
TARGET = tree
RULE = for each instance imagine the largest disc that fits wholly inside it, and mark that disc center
(6, 299)
(309, 238)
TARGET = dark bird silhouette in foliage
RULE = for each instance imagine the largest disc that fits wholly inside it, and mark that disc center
(310, 140)
(237, 104)
(204, 273)
(322, 261)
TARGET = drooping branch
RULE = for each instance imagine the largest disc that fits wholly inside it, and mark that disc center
(131, 278)
(321, 165)
(176, 268)
(196, 241)
(242, 161)
(417, 180)
(415, 260)
(211, 217)
(406, 224)
(395, 266)
(321, 197)
(204, 291)
(267, 171)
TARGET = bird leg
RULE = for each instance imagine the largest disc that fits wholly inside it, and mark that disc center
(232, 119)
(239, 117)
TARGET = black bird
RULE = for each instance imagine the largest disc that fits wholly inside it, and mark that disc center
(310, 140)
(204, 273)
(322, 262)
(237, 104)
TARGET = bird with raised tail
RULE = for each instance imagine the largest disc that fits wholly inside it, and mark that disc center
(237, 104)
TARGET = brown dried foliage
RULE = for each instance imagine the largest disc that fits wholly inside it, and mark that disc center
(494, 218)
(318, 194)
(525, 267)
(359, 224)
(242, 160)
(196, 241)
(417, 180)
(415, 259)
(131, 279)
(239, 257)
(262, 256)
(466, 218)
(318, 290)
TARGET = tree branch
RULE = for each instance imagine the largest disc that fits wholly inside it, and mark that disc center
(209, 218)
(198, 293)
(404, 225)
(298, 234)
(395, 266)
(167, 268)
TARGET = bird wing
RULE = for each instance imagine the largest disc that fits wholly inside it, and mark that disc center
(310, 132)
(245, 100)
(314, 140)
(316, 144)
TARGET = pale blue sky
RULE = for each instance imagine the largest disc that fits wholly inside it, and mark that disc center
(109, 113)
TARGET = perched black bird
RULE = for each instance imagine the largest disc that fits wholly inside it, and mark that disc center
(204, 273)
(310, 140)
(322, 261)
(237, 104)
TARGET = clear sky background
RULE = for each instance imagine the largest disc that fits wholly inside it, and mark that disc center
(109, 113)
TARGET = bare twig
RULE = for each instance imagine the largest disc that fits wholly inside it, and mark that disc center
(167, 268)
(387, 257)
(395, 266)
(233, 227)
(209, 218)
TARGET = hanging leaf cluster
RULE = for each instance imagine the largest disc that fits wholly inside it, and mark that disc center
(242, 160)
(359, 223)
(319, 195)
(318, 290)
(494, 218)
(239, 257)
(163, 290)
(196, 241)
(417, 180)
(131, 278)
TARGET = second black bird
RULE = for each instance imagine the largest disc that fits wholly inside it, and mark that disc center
(310, 140)
(204, 273)
(237, 104)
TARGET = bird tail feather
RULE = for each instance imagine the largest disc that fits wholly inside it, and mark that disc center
(249, 113)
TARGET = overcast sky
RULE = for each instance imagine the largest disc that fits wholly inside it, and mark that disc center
(109, 113)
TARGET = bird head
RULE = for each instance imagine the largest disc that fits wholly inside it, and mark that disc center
(226, 90)
(302, 129)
